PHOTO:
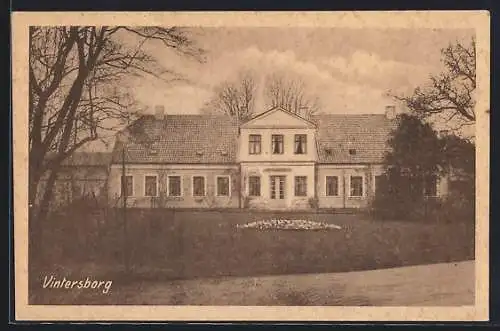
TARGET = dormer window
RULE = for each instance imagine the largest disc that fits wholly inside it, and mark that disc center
(300, 144)
(277, 144)
(352, 152)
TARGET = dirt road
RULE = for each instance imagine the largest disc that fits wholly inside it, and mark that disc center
(447, 284)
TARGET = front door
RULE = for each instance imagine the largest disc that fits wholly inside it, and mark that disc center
(277, 185)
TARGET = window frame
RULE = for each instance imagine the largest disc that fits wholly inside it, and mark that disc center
(304, 146)
(251, 142)
(204, 186)
(295, 186)
(260, 186)
(337, 186)
(228, 185)
(435, 195)
(281, 179)
(363, 189)
(282, 143)
(181, 193)
(121, 186)
(157, 188)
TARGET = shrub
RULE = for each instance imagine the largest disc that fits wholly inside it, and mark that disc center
(397, 203)
(394, 198)
(456, 208)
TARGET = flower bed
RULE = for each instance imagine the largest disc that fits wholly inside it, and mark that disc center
(285, 224)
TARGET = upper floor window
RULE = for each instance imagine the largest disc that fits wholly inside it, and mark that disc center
(300, 144)
(277, 144)
(254, 144)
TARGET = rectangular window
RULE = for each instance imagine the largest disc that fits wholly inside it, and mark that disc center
(430, 187)
(300, 186)
(174, 186)
(356, 186)
(127, 186)
(254, 186)
(254, 144)
(223, 186)
(277, 144)
(150, 186)
(277, 184)
(332, 186)
(198, 186)
(300, 144)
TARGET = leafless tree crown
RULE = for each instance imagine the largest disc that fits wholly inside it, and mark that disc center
(450, 94)
(77, 88)
(290, 94)
(237, 98)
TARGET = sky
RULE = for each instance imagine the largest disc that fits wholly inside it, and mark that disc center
(349, 70)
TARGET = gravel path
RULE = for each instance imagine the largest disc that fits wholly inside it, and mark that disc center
(446, 284)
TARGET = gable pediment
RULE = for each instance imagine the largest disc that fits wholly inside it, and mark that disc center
(278, 118)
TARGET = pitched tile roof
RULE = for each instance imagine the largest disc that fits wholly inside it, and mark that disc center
(88, 159)
(213, 139)
(353, 138)
(187, 139)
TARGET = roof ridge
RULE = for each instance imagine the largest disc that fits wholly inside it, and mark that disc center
(349, 115)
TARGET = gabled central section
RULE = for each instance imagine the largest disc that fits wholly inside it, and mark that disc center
(277, 153)
(277, 136)
(278, 118)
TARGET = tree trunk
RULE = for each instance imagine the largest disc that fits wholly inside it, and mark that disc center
(33, 210)
(44, 206)
(34, 233)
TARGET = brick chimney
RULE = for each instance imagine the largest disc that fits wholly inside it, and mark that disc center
(390, 112)
(160, 112)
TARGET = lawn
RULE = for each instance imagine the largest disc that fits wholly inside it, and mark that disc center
(165, 245)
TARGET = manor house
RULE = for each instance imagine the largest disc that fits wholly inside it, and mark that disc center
(276, 160)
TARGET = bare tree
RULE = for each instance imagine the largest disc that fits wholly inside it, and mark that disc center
(77, 91)
(450, 95)
(290, 94)
(235, 98)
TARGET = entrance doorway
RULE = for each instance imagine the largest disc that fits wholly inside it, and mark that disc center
(277, 184)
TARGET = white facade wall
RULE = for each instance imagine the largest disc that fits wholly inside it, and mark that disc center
(344, 174)
(289, 171)
(266, 154)
(186, 172)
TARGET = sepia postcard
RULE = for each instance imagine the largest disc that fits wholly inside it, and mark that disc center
(251, 166)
